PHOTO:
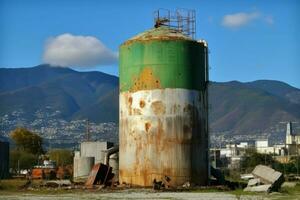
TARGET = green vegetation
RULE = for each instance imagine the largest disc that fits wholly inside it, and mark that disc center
(253, 158)
(62, 157)
(27, 151)
(291, 190)
(240, 192)
(21, 160)
(12, 184)
(27, 141)
(292, 167)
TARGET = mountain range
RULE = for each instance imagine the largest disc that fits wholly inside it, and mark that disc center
(235, 107)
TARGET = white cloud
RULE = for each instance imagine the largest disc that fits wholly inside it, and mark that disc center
(77, 51)
(239, 19)
(269, 20)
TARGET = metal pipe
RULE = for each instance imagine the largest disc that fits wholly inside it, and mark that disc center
(109, 152)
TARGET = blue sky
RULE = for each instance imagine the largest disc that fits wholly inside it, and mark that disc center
(248, 40)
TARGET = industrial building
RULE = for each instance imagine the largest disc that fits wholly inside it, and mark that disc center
(292, 140)
(262, 146)
(94, 149)
(163, 134)
(93, 152)
(232, 155)
(4, 159)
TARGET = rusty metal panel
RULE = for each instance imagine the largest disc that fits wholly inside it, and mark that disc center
(160, 135)
(37, 173)
(93, 175)
(41, 173)
(100, 174)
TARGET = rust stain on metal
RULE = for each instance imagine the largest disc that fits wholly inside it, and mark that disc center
(189, 109)
(145, 81)
(142, 103)
(137, 111)
(160, 131)
(175, 108)
(130, 101)
(158, 108)
(93, 175)
(172, 145)
(147, 126)
(100, 174)
(41, 173)
(186, 129)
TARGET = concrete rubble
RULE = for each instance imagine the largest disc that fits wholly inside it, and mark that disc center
(218, 175)
(161, 184)
(58, 183)
(259, 188)
(246, 176)
(253, 182)
(186, 185)
(265, 179)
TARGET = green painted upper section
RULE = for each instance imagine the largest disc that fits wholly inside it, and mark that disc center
(162, 58)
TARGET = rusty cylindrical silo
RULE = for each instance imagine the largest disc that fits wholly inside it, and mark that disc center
(163, 109)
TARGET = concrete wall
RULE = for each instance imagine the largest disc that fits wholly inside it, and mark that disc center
(261, 143)
(83, 166)
(94, 149)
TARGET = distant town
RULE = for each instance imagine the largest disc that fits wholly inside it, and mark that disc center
(57, 132)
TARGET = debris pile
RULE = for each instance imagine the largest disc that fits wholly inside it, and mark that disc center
(164, 183)
(219, 177)
(57, 183)
(100, 174)
(265, 179)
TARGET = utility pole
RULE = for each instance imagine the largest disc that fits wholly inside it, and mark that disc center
(215, 158)
(297, 163)
(87, 131)
(18, 167)
(50, 138)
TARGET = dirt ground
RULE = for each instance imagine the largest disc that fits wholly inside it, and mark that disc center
(129, 195)
(13, 189)
(145, 194)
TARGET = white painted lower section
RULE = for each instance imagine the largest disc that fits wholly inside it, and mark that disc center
(163, 133)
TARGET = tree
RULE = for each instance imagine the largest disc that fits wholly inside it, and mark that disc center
(62, 157)
(27, 141)
(21, 160)
(253, 158)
